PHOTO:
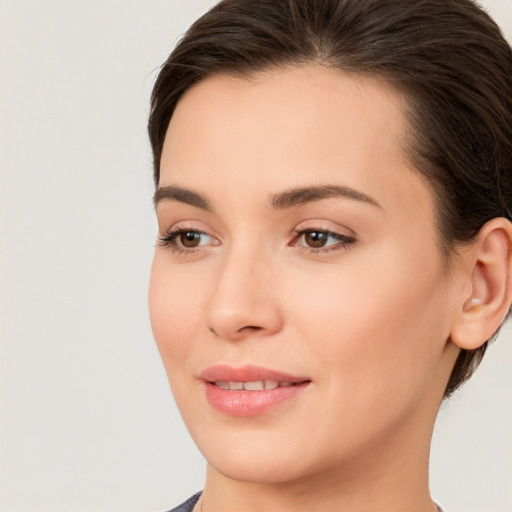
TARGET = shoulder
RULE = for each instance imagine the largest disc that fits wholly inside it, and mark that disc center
(188, 505)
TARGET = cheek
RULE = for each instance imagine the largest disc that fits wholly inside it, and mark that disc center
(175, 309)
(377, 327)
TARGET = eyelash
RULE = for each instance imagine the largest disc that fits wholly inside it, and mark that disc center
(344, 242)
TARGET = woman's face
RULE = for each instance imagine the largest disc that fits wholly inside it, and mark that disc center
(299, 252)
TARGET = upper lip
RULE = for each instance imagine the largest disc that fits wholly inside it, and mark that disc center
(247, 373)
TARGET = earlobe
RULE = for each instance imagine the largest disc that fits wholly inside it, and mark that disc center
(484, 309)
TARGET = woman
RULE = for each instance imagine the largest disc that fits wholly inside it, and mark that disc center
(334, 182)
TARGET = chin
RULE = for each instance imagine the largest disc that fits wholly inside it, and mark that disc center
(257, 468)
(261, 457)
(243, 452)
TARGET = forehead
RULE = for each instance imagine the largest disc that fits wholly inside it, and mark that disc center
(310, 107)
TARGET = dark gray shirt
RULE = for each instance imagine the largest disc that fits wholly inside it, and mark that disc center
(188, 505)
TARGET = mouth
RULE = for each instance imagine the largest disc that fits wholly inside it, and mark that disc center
(255, 385)
(250, 390)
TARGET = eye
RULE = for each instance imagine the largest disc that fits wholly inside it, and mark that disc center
(321, 240)
(316, 239)
(183, 240)
(189, 239)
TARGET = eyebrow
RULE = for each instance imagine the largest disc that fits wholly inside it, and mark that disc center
(182, 195)
(301, 196)
(281, 201)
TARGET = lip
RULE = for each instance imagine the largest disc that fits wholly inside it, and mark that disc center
(248, 373)
(249, 403)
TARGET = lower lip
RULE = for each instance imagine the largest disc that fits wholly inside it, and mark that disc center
(250, 403)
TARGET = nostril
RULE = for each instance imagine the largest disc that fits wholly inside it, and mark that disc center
(250, 329)
(245, 329)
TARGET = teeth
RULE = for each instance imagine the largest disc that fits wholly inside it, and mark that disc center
(254, 386)
(257, 385)
(271, 384)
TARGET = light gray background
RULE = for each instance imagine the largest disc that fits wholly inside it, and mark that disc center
(87, 421)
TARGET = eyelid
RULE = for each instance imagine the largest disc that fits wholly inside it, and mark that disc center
(169, 227)
(325, 226)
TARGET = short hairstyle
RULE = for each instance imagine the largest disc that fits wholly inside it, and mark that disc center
(447, 57)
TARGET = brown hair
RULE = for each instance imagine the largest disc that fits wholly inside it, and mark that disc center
(447, 57)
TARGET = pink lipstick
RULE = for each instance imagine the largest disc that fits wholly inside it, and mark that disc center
(249, 390)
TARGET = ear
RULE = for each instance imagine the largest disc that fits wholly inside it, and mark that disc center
(484, 308)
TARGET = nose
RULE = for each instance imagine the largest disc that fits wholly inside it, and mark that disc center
(245, 299)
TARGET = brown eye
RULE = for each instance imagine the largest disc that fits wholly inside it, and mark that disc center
(190, 239)
(315, 239)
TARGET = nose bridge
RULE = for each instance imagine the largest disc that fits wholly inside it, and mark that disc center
(243, 300)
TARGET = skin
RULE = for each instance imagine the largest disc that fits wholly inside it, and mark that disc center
(366, 320)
